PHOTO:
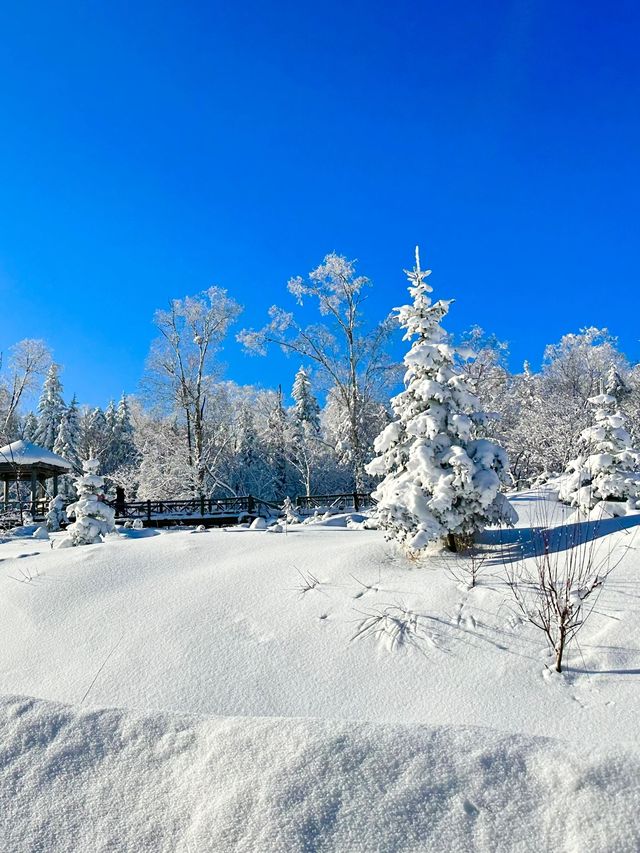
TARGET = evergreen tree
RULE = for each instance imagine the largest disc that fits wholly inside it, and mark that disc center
(276, 446)
(30, 427)
(94, 434)
(305, 411)
(50, 409)
(67, 439)
(608, 469)
(304, 448)
(94, 517)
(123, 451)
(616, 385)
(440, 481)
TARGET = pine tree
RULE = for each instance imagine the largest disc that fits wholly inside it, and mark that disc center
(305, 411)
(123, 451)
(94, 517)
(50, 409)
(276, 443)
(30, 427)
(616, 386)
(67, 439)
(94, 435)
(608, 468)
(304, 449)
(440, 481)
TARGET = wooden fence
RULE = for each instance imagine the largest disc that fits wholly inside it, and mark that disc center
(355, 500)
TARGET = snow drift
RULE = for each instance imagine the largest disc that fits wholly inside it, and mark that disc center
(76, 780)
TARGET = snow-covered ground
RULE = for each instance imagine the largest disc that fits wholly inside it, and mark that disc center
(260, 714)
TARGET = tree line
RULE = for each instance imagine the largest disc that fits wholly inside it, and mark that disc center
(189, 431)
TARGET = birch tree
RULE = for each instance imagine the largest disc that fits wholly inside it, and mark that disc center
(351, 359)
(181, 364)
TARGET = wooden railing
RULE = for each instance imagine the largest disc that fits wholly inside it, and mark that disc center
(38, 508)
(193, 507)
(355, 500)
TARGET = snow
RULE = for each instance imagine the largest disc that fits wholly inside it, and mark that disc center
(98, 780)
(25, 453)
(251, 718)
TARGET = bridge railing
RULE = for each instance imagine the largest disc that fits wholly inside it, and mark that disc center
(354, 500)
(193, 507)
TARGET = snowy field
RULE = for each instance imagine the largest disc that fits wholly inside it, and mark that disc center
(260, 709)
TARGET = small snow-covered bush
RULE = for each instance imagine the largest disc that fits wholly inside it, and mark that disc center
(57, 514)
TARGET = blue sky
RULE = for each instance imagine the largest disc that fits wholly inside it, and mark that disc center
(150, 150)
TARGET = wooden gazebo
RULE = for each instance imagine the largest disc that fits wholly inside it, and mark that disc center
(22, 461)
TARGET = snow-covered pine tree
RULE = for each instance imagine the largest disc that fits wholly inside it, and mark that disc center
(30, 427)
(305, 411)
(276, 446)
(123, 451)
(94, 435)
(608, 468)
(94, 517)
(50, 409)
(57, 514)
(616, 385)
(440, 481)
(68, 437)
(66, 445)
(304, 448)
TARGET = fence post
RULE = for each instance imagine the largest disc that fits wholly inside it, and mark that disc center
(250, 504)
(201, 506)
(148, 510)
(356, 502)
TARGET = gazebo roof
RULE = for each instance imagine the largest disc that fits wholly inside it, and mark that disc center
(24, 454)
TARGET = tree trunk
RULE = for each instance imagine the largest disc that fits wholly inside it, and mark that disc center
(560, 651)
(451, 543)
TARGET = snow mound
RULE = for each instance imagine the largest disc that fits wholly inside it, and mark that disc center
(96, 780)
(342, 519)
(258, 524)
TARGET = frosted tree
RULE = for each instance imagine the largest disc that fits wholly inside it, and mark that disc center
(304, 445)
(181, 365)
(30, 427)
(306, 410)
(50, 409)
(94, 517)
(57, 514)
(440, 481)
(19, 375)
(68, 437)
(351, 360)
(608, 468)
(123, 450)
(338, 433)
(276, 443)
(616, 385)
(94, 433)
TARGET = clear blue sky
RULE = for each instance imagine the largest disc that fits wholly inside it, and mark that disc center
(149, 150)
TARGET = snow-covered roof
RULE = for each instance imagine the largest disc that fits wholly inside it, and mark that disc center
(25, 453)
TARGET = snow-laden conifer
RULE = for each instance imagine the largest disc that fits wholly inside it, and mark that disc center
(30, 427)
(440, 481)
(124, 451)
(94, 517)
(50, 409)
(305, 411)
(608, 468)
(68, 437)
